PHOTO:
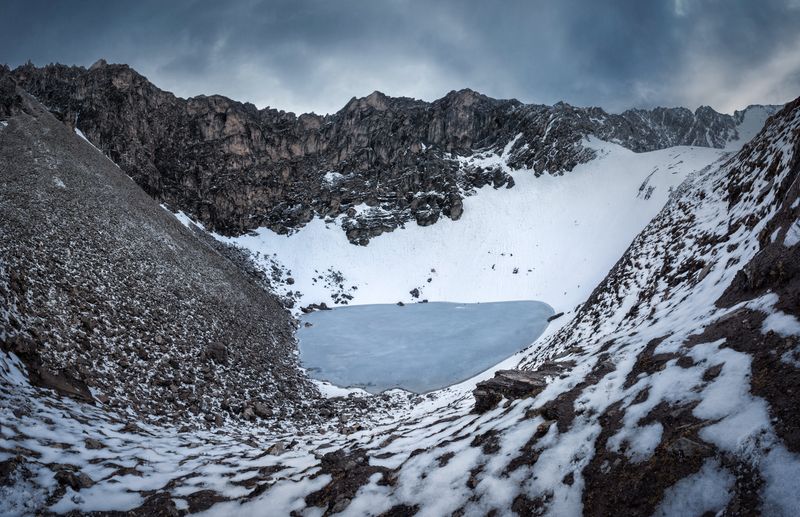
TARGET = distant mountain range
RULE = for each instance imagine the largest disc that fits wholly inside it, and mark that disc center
(235, 168)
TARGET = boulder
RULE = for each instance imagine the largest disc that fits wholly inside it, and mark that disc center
(261, 410)
(91, 443)
(514, 384)
(217, 352)
(74, 480)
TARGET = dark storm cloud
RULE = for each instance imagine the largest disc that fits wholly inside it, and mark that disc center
(315, 55)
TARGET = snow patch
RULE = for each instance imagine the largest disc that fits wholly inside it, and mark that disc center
(792, 357)
(333, 177)
(20, 496)
(707, 491)
(360, 209)
(80, 134)
(781, 472)
(184, 218)
(781, 323)
(751, 122)
(328, 390)
(641, 442)
(792, 234)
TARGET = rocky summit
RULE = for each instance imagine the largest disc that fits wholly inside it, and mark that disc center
(148, 360)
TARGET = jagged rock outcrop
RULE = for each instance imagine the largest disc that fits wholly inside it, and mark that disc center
(379, 162)
(514, 384)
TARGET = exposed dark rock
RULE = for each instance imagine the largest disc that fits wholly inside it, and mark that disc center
(315, 307)
(10, 99)
(93, 444)
(513, 384)
(561, 410)
(203, 500)
(8, 468)
(555, 316)
(617, 485)
(400, 510)
(528, 507)
(261, 410)
(157, 505)
(60, 381)
(648, 362)
(349, 472)
(217, 352)
(74, 480)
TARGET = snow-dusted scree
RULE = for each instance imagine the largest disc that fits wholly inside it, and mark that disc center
(670, 391)
(378, 347)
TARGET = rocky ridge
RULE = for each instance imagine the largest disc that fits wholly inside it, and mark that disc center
(378, 163)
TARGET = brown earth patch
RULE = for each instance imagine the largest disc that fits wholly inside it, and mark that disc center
(349, 470)
(774, 380)
(617, 486)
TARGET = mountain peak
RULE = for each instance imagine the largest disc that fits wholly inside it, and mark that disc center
(465, 96)
(376, 133)
(100, 63)
(377, 100)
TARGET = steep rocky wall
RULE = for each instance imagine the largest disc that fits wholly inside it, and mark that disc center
(235, 167)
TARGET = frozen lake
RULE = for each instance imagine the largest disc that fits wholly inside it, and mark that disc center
(419, 347)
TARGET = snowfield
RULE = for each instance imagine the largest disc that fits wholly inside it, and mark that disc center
(549, 238)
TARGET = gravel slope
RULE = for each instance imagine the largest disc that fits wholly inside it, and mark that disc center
(107, 295)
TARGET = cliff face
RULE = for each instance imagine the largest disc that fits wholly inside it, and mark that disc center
(235, 167)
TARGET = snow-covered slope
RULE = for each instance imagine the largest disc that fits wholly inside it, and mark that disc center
(749, 122)
(549, 238)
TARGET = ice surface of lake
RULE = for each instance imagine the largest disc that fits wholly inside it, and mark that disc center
(419, 347)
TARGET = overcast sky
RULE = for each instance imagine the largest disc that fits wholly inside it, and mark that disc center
(306, 55)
